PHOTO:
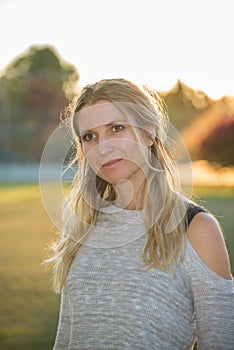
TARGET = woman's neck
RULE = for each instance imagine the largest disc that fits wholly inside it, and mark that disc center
(128, 196)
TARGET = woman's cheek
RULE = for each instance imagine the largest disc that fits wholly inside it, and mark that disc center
(92, 161)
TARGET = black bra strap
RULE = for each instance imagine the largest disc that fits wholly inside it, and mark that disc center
(192, 211)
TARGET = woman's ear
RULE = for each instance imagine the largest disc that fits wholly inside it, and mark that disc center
(150, 135)
(150, 142)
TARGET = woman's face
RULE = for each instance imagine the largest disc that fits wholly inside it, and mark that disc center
(110, 144)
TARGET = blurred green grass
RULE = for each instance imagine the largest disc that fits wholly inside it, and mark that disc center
(28, 308)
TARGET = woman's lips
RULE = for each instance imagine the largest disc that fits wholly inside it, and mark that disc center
(111, 163)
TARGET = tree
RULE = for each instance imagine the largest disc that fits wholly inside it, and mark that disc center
(34, 89)
(42, 62)
(185, 104)
(218, 145)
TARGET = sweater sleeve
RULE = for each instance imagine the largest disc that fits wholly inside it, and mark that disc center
(213, 298)
(64, 325)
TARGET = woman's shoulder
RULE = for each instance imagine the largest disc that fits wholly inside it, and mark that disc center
(206, 237)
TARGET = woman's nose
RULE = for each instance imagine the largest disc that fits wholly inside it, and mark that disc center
(105, 147)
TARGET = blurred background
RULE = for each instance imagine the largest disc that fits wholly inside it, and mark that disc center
(48, 50)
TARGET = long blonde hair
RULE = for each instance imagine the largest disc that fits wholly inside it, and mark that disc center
(164, 245)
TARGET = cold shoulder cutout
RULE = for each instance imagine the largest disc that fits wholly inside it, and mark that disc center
(206, 237)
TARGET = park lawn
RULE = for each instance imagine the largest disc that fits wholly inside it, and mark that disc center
(28, 308)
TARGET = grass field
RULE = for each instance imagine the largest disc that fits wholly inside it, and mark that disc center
(28, 308)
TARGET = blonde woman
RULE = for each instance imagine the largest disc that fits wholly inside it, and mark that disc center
(138, 265)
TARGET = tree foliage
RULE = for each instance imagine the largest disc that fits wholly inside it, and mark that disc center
(218, 145)
(185, 104)
(34, 89)
(40, 62)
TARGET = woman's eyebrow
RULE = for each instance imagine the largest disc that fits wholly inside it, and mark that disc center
(111, 123)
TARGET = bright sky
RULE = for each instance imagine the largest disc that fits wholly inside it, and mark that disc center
(147, 41)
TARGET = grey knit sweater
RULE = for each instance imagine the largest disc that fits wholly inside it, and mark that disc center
(111, 301)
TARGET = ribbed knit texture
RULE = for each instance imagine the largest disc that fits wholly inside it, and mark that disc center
(111, 301)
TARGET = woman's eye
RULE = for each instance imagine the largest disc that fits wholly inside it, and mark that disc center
(87, 137)
(117, 128)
